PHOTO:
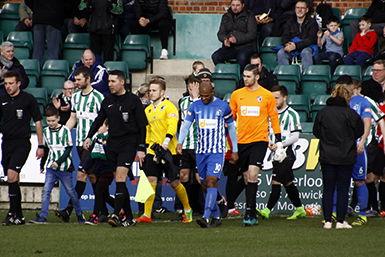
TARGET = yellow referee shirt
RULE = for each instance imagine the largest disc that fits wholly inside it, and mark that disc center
(162, 120)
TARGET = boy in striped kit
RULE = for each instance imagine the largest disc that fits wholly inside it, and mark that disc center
(58, 166)
(85, 105)
(283, 171)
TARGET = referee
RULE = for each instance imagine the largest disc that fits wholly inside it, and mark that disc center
(127, 134)
(16, 110)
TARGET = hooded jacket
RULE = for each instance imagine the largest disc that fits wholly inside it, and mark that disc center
(242, 26)
(376, 11)
(338, 127)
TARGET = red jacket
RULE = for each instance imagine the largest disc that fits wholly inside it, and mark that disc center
(365, 43)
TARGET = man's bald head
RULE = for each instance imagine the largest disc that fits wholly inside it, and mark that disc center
(206, 92)
(88, 58)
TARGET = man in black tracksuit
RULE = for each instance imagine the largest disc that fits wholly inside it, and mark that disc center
(238, 33)
(127, 135)
(16, 110)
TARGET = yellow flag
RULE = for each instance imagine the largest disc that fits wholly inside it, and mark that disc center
(144, 189)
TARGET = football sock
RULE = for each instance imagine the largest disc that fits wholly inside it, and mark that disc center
(210, 202)
(233, 190)
(293, 194)
(182, 195)
(362, 196)
(381, 190)
(149, 202)
(127, 203)
(120, 197)
(274, 196)
(12, 193)
(372, 201)
(251, 194)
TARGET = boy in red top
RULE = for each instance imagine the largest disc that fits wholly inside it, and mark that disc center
(363, 44)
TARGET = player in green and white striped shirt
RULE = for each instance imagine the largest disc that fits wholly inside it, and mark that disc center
(188, 162)
(283, 169)
(85, 105)
(57, 138)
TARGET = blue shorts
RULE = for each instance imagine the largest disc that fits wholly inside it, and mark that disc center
(360, 167)
(210, 164)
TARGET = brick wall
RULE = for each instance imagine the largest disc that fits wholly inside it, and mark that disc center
(218, 6)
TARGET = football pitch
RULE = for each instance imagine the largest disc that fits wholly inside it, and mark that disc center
(273, 237)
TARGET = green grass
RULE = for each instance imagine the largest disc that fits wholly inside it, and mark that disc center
(273, 237)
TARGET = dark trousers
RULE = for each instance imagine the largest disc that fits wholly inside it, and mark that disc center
(331, 56)
(226, 53)
(357, 57)
(103, 45)
(164, 27)
(336, 176)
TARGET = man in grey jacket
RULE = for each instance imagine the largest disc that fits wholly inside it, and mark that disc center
(238, 33)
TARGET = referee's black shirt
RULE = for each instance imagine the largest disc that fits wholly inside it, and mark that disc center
(126, 118)
(16, 113)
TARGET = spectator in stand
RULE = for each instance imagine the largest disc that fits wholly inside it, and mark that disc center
(376, 12)
(155, 14)
(8, 62)
(363, 44)
(25, 14)
(238, 33)
(62, 102)
(48, 20)
(102, 21)
(99, 79)
(299, 37)
(286, 10)
(265, 12)
(127, 20)
(266, 79)
(375, 86)
(333, 39)
(74, 24)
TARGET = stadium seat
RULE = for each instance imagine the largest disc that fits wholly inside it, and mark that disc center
(352, 70)
(268, 55)
(136, 51)
(368, 73)
(53, 74)
(315, 80)
(119, 65)
(307, 127)
(300, 103)
(289, 76)
(337, 12)
(22, 41)
(32, 68)
(74, 46)
(319, 103)
(226, 78)
(226, 98)
(9, 18)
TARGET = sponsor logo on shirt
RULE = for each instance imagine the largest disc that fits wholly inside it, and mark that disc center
(250, 111)
(208, 124)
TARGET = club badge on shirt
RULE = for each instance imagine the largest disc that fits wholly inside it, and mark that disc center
(19, 114)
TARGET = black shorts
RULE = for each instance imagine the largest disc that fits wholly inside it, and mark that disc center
(98, 166)
(121, 152)
(187, 159)
(83, 155)
(251, 154)
(230, 169)
(376, 158)
(153, 169)
(283, 172)
(15, 153)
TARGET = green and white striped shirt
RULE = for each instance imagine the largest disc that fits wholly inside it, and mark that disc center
(192, 137)
(289, 122)
(86, 108)
(377, 115)
(57, 140)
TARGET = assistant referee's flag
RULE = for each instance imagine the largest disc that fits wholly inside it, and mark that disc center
(144, 189)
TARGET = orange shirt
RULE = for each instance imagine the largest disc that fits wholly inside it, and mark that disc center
(251, 109)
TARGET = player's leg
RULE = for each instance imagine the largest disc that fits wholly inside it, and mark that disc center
(234, 186)
(359, 177)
